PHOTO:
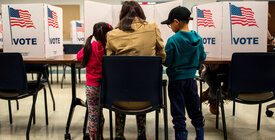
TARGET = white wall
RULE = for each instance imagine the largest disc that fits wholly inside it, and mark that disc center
(186, 3)
(190, 3)
(51, 2)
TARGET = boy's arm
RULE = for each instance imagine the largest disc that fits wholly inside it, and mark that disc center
(159, 44)
(169, 53)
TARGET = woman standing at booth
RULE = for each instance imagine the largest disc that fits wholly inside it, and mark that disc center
(133, 36)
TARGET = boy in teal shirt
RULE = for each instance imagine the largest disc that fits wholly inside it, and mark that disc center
(184, 50)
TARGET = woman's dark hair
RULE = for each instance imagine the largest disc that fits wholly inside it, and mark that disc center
(129, 10)
(99, 32)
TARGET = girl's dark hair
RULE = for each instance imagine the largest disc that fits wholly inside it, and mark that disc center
(129, 10)
(99, 32)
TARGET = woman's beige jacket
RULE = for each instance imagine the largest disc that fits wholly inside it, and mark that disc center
(145, 40)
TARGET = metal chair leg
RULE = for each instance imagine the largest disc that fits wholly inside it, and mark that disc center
(79, 75)
(57, 73)
(34, 120)
(63, 76)
(31, 116)
(111, 124)
(32, 109)
(157, 124)
(17, 104)
(234, 105)
(51, 74)
(46, 106)
(223, 115)
(51, 92)
(10, 113)
(259, 117)
(165, 117)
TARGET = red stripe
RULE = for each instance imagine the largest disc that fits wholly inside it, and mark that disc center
(53, 21)
(247, 18)
(207, 21)
(23, 21)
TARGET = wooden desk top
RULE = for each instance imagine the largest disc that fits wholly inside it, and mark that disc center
(71, 58)
(212, 60)
(61, 59)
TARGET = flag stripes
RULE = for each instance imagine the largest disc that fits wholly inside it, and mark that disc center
(243, 16)
(205, 18)
(79, 27)
(52, 19)
(21, 18)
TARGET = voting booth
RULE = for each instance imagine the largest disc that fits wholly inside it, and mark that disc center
(100, 12)
(34, 30)
(77, 32)
(1, 36)
(228, 27)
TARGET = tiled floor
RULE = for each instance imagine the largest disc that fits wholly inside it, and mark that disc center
(239, 127)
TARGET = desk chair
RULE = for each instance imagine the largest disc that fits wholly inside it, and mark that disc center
(71, 49)
(251, 81)
(14, 84)
(132, 79)
(43, 69)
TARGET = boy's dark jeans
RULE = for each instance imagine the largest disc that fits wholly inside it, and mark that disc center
(184, 94)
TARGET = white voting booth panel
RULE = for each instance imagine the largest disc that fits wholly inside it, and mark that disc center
(95, 12)
(161, 13)
(110, 13)
(77, 32)
(34, 30)
(147, 9)
(228, 27)
(53, 31)
(115, 14)
(208, 25)
(1, 36)
(149, 12)
(240, 35)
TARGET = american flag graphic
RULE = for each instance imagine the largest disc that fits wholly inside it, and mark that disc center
(52, 19)
(205, 18)
(21, 18)
(79, 27)
(243, 16)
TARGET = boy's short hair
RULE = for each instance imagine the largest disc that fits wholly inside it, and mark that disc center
(179, 13)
